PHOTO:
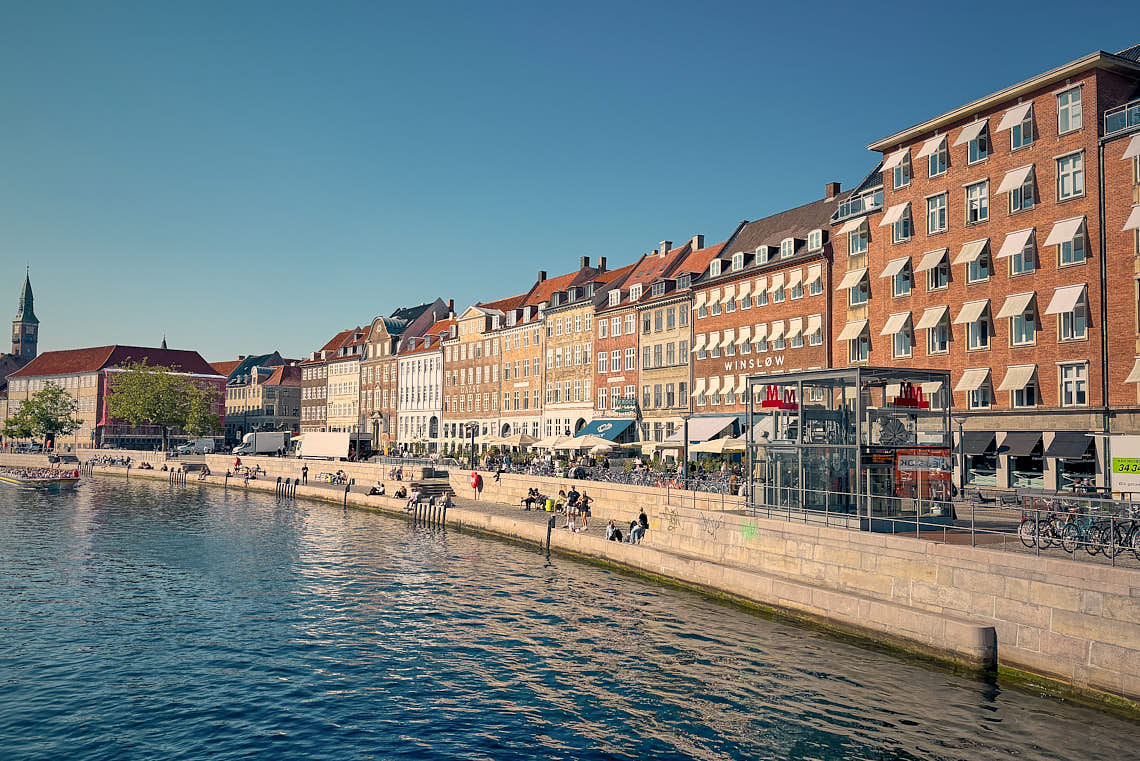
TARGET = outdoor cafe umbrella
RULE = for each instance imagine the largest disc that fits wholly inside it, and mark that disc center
(550, 442)
(718, 446)
(517, 440)
(589, 442)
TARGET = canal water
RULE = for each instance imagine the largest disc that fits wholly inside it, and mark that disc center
(140, 622)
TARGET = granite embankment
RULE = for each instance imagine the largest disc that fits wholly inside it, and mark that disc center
(1077, 624)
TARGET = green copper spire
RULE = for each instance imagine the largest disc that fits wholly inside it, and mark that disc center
(25, 312)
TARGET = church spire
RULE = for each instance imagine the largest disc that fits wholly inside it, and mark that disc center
(163, 340)
(25, 312)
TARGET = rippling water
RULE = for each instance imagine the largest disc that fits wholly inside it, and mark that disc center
(140, 623)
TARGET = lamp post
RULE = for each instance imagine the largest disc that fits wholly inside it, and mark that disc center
(471, 429)
(961, 456)
(684, 450)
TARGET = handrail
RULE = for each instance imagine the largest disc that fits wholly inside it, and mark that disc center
(1122, 117)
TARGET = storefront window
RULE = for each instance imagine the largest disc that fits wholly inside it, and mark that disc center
(981, 469)
(1027, 472)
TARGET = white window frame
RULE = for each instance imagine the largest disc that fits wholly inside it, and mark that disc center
(901, 174)
(1074, 386)
(938, 163)
(1021, 134)
(903, 230)
(1024, 262)
(1070, 111)
(979, 148)
(1073, 251)
(981, 398)
(937, 213)
(902, 284)
(714, 267)
(858, 241)
(978, 333)
(815, 240)
(1023, 329)
(941, 329)
(979, 270)
(738, 261)
(1074, 325)
(1024, 197)
(978, 198)
(1071, 177)
(907, 349)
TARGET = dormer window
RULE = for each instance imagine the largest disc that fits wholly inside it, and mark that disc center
(589, 289)
(763, 255)
(658, 289)
(684, 281)
(815, 240)
(572, 294)
(787, 247)
(714, 267)
(635, 292)
(738, 261)
(554, 299)
(615, 297)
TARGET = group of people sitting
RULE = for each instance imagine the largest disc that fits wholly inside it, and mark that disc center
(637, 529)
(572, 503)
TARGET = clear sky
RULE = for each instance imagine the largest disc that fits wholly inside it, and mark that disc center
(247, 176)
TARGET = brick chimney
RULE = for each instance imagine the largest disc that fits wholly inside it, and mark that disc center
(602, 264)
(584, 262)
(665, 246)
(541, 276)
(698, 241)
(831, 191)
(450, 308)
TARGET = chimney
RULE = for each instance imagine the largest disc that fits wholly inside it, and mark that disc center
(698, 241)
(542, 276)
(602, 264)
(584, 262)
(241, 358)
(450, 308)
(665, 246)
(831, 191)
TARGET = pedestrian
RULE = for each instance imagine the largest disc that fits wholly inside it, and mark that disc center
(304, 474)
(584, 509)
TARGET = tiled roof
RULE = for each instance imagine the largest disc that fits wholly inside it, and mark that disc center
(226, 368)
(1132, 53)
(408, 315)
(285, 375)
(502, 305)
(74, 361)
(793, 223)
(698, 261)
(334, 343)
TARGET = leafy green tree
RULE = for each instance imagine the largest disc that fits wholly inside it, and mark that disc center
(149, 395)
(46, 414)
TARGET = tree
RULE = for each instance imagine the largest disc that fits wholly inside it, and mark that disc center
(149, 395)
(46, 414)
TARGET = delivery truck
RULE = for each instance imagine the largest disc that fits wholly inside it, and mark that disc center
(329, 446)
(263, 442)
(197, 446)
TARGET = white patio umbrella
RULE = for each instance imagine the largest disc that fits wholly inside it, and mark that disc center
(516, 440)
(718, 446)
(589, 442)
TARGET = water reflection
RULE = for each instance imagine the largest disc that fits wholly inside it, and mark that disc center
(142, 622)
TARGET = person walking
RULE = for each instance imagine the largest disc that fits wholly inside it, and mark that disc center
(304, 475)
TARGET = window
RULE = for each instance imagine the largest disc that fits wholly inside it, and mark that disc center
(1023, 197)
(857, 240)
(901, 282)
(670, 318)
(1021, 134)
(901, 173)
(602, 328)
(684, 281)
(683, 316)
(778, 296)
(1027, 396)
(1069, 111)
(798, 290)
(671, 354)
(979, 147)
(787, 247)
(859, 349)
(646, 322)
(615, 297)
(630, 324)
(860, 293)
(936, 214)
(1070, 176)
(615, 361)
(603, 362)
(938, 338)
(1023, 329)
(658, 289)
(903, 229)
(761, 295)
(738, 261)
(978, 271)
(977, 202)
(615, 326)
(981, 398)
(815, 240)
(635, 292)
(631, 359)
(1073, 251)
(714, 267)
(602, 394)
(903, 342)
(1075, 324)
(658, 320)
(1074, 384)
(939, 161)
(978, 333)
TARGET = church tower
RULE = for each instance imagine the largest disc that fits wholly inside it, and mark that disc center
(25, 328)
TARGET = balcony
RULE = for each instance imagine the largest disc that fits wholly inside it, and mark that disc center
(1122, 117)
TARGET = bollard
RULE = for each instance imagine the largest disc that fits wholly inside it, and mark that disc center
(346, 488)
(549, 527)
(226, 484)
(277, 490)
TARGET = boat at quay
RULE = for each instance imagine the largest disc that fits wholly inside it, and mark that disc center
(43, 479)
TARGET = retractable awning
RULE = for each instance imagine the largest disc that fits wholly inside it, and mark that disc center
(895, 159)
(976, 442)
(745, 335)
(714, 385)
(701, 429)
(973, 379)
(761, 285)
(714, 297)
(852, 330)
(894, 214)
(607, 429)
(1064, 231)
(1017, 377)
(1020, 443)
(931, 146)
(1014, 243)
(777, 330)
(1134, 375)
(761, 332)
(1014, 116)
(698, 343)
(795, 327)
(895, 323)
(777, 282)
(895, 266)
(729, 385)
(971, 251)
(729, 338)
(970, 132)
(931, 259)
(729, 294)
(1065, 299)
(932, 317)
(1133, 149)
(714, 340)
(1133, 221)
(698, 388)
(1016, 304)
(852, 225)
(814, 273)
(1015, 178)
(852, 279)
(702, 296)
(795, 277)
(1069, 445)
(971, 311)
(814, 324)
(745, 289)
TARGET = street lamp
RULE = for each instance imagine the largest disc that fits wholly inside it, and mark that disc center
(685, 450)
(961, 455)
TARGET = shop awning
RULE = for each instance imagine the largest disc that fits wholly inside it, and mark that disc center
(894, 214)
(1016, 304)
(607, 429)
(1065, 299)
(1020, 443)
(701, 429)
(852, 279)
(896, 159)
(932, 317)
(970, 132)
(971, 311)
(1015, 178)
(895, 323)
(931, 259)
(977, 442)
(745, 335)
(1133, 149)
(1064, 231)
(1069, 445)
(698, 343)
(973, 379)
(930, 147)
(777, 282)
(1133, 222)
(1014, 116)
(795, 327)
(1017, 377)
(852, 330)
(895, 266)
(852, 225)
(777, 331)
(1134, 376)
(1014, 243)
(971, 251)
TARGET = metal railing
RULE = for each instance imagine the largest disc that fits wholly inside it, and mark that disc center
(715, 483)
(1122, 117)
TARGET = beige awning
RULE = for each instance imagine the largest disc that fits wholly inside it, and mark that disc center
(852, 330)
(1014, 243)
(714, 297)
(852, 279)
(761, 284)
(1133, 149)
(714, 340)
(729, 338)
(698, 343)
(971, 311)
(1133, 222)
(970, 132)
(795, 327)
(1134, 376)
(894, 214)
(932, 317)
(745, 335)
(814, 273)
(1014, 116)
(931, 146)
(1064, 231)
(761, 332)
(814, 324)
(698, 388)
(777, 331)
(895, 323)
(895, 266)
(971, 251)
(729, 385)
(895, 159)
(729, 294)
(931, 259)
(852, 225)
(745, 289)
(1016, 304)
(972, 380)
(930, 387)
(1065, 299)
(795, 277)
(700, 302)
(714, 385)
(1017, 377)
(777, 282)
(1015, 178)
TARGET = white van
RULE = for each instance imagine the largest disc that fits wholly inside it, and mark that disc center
(197, 446)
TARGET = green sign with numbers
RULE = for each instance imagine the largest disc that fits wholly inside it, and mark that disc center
(1126, 464)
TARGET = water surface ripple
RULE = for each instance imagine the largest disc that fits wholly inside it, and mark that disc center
(137, 622)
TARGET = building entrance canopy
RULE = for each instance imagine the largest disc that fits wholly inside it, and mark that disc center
(702, 429)
(606, 429)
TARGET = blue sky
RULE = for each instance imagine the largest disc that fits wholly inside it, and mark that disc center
(249, 176)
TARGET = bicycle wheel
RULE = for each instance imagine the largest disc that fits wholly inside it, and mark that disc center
(1027, 532)
(1097, 539)
(1070, 538)
(1134, 541)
